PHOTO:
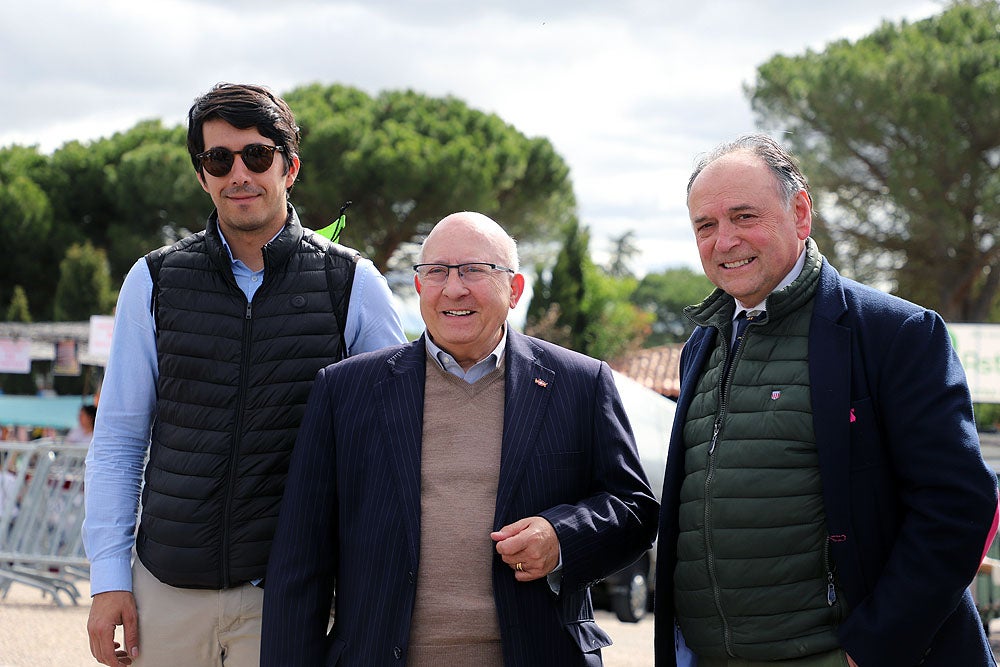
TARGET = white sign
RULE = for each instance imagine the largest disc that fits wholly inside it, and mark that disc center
(15, 355)
(978, 347)
(99, 343)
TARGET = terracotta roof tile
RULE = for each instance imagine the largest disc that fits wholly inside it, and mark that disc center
(657, 368)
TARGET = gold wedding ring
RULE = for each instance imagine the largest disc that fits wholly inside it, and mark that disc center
(519, 568)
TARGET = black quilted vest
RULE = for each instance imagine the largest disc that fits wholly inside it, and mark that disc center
(234, 379)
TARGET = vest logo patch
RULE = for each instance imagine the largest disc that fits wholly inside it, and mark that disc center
(775, 395)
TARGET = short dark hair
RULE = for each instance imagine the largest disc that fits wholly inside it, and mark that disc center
(781, 163)
(90, 409)
(243, 106)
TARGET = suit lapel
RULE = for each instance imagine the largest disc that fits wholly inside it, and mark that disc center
(526, 397)
(402, 399)
(830, 369)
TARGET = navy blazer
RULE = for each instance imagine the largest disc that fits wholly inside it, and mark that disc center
(350, 517)
(909, 502)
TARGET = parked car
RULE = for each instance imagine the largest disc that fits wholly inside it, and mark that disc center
(629, 592)
(986, 586)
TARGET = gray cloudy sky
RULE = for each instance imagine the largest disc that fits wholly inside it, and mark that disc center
(628, 91)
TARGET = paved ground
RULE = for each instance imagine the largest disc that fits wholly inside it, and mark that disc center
(34, 631)
(990, 446)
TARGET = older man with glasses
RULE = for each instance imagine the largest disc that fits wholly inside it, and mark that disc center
(216, 342)
(458, 494)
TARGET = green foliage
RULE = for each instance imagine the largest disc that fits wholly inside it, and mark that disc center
(666, 294)
(899, 134)
(84, 284)
(987, 416)
(26, 225)
(554, 312)
(624, 251)
(126, 194)
(583, 307)
(18, 310)
(158, 200)
(614, 325)
(406, 160)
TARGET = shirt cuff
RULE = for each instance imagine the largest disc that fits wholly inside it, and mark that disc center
(112, 574)
(555, 576)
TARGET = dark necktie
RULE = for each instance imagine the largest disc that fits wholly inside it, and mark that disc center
(742, 320)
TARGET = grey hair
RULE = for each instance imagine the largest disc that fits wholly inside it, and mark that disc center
(510, 248)
(781, 163)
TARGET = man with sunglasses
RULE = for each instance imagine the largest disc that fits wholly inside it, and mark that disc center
(217, 340)
(459, 493)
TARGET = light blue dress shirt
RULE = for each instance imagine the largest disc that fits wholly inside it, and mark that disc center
(480, 369)
(128, 402)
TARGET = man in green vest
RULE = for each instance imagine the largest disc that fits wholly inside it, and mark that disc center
(825, 501)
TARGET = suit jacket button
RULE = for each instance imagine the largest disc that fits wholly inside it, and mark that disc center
(397, 653)
(412, 576)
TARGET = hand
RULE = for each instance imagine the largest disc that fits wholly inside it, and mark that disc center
(108, 611)
(850, 661)
(533, 543)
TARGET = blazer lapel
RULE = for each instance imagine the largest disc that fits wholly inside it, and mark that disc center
(402, 399)
(527, 387)
(830, 371)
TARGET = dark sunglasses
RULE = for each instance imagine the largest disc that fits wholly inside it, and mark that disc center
(257, 157)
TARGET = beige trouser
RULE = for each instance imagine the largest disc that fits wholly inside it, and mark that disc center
(836, 658)
(196, 628)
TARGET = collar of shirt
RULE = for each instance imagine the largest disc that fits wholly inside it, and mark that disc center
(480, 369)
(247, 280)
(785, 282)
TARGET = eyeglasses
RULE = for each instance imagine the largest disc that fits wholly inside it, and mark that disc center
(470, 272)
(257, 157)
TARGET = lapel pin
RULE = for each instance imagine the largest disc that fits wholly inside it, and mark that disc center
(541, 383)
(775, 395)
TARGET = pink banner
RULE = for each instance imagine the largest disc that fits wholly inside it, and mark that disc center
(15, 355)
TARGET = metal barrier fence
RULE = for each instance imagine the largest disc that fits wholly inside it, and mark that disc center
(41, 512)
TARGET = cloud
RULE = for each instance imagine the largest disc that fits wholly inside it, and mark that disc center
(628, 92)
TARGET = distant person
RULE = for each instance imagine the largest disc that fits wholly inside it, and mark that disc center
(458, 494)
(10, 488)
(825, 500)
(216, 343)
(83, 432)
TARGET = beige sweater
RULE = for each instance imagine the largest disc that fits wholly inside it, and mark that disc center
(455, 619)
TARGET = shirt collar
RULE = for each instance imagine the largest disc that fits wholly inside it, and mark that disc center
(785, 282)
(448, 362)
(229, 251)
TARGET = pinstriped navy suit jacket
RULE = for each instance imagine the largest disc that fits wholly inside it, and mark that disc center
(350, 517)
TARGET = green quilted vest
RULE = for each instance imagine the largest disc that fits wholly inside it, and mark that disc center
(754, 579)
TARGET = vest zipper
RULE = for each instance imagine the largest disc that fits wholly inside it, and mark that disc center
(730, 366)
(241, 397)
(227, 518)
(709, 478)
(831, 589)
